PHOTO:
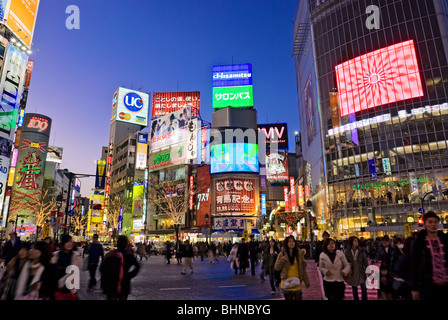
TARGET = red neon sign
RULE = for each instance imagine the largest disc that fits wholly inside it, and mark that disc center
(380, 77)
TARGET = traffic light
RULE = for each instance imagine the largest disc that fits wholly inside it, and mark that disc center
(420, 221)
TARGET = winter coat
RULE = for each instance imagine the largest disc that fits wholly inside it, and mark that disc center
(340, 264)
(282, 265)
(359, 263)
(421, 261)
(269, 260)
(243, 255)
(95, 252)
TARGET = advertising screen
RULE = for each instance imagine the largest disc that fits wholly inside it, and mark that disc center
(142, 150)
(164, 103)
(276, 135)
(54, 154)
(237, 97)
(380, 77)
(235, 195)
(232, 75)
(130, 106)
(277, 166)
(234, 157)
(170, 129)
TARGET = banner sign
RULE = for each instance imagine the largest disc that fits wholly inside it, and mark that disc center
(235, 195)
(236, 97)
(142, 150)
(175, 155)
(233, 223)
(100, 177)
(286, 194)
(164, 103)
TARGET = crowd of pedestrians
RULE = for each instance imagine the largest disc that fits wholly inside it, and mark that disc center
(409, 268)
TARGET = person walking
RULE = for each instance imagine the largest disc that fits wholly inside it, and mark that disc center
(95, 252)
(384, 253)
(12, 247)
(270, 255)
(253, 253)
(232, 258)
(292, 267)
(141, 251)
(116, 272)
(357, 258)
(168, 253)
(13, 268)
(401, 270)
(243, 255)
(334, 266)
(187, 256)
(66, 256)
(429, 261)
(29, 282)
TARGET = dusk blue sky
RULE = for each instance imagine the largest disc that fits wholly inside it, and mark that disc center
(154, 46)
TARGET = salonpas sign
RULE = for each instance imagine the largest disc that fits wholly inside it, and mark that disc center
(237, 97)
(401, 182)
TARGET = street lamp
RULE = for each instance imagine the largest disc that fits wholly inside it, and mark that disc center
(206, 227)
(59, 199)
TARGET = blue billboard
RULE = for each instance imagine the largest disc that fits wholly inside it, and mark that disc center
(232, 75)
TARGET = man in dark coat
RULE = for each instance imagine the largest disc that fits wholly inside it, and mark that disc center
(243, 255)
(253, 252)
(115, 274)
(12, 247)
(429, 261)
(95, 252)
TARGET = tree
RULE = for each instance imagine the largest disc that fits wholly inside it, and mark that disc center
(79, 222)
(171, 199)
(113, 213)
(34, 207)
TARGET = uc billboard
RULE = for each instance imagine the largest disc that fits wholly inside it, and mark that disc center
(130, 106)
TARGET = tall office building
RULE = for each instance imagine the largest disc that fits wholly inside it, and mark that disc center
(382, 98)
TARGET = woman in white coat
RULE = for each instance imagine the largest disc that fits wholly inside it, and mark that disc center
(335, 268)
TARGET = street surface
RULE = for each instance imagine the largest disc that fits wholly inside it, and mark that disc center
(160, 281)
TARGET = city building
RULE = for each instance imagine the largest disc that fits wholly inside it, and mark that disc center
(380, 71)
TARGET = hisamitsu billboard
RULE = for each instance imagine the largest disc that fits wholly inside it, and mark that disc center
(232, 75)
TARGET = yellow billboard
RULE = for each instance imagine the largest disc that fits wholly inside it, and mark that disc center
(20, 18)
(96, 208)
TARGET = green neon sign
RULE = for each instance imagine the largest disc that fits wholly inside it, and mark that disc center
(236, 97)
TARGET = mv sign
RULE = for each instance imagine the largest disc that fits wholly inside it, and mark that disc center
(276, 135)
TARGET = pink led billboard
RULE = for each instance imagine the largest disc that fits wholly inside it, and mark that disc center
(380, 77)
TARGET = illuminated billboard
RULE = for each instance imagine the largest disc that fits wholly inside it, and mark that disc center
(275, 134)
(277, 166)
(380, 77)
(130, 106)
(235, 195)
(232, 75)
(175, 155)
(164, 103)
(97, 208)
(236, 97)
(170, 129)
(11, 89)
(20, 17)
(234, 157)
(54, 154)
(142, 150)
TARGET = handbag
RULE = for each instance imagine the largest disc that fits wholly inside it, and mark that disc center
(59, 295)
(85, 263)
(291, 283)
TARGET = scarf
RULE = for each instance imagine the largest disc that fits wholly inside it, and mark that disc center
(22, 287)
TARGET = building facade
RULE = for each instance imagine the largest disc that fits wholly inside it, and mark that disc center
(382, 80)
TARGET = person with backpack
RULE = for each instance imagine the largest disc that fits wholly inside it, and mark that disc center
(116, 271)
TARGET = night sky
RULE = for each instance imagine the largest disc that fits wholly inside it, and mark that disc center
(154, 46)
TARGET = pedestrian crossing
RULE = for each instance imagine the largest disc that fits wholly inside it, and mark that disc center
(372, 294)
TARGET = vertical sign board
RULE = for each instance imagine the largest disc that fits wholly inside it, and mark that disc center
(100, 177)
(11, 87)
(307, 192)
(191, 193)
(263, 204)
(301, 199)
(29, 178)
(292, 187)
(142, 150)
(192, 142)
(5, 154)
(286, 193)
